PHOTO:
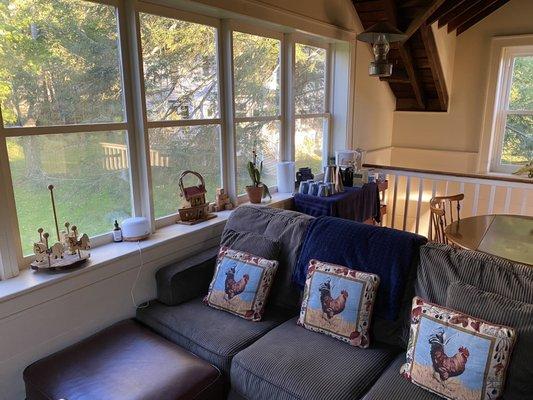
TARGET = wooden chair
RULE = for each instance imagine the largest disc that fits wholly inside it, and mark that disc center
(441, 214)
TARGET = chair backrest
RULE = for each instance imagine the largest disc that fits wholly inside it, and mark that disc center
(442, 213)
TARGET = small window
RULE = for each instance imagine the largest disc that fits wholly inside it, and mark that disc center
(180, 69)
(310, 104)
(60, 63)
(90, 172)
(182, 102)
(63, 114)
(513, 135)
(256, 69)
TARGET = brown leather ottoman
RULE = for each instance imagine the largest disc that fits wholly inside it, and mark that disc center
(123, 362)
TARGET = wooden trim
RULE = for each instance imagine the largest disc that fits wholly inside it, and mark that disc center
(456, 174)
(59, 129)
(166, 11)
(183, 122)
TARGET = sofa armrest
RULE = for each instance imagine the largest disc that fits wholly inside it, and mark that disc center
(187, 279)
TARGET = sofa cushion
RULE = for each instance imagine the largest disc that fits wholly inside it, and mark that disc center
(291, 362)
(214, 335)
(440, 265)
(187, 279)
(501, 310)
(241, 283)
(287, 227)
(252, 243)
(391, 385)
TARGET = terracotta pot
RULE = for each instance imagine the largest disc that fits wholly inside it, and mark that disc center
(255, 194)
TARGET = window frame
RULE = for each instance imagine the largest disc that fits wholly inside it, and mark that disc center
(502, 111)
(237, 26)
(172, 13)
(12, 249)
(326, 115)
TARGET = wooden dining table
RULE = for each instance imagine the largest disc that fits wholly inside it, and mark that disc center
(505, 236)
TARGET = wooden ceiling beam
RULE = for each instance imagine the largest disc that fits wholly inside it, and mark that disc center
(422, 17)
(442, 10)
(469, 11)
(452, 13)
(489, 9)
(407, 59)
(435, 65)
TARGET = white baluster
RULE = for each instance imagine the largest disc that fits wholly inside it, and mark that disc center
(394, 193)
(406, 206)
(491, 198)
(419, 203)
(507, 200)
(476, 200)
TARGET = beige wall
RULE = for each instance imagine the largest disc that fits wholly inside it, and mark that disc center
(457, 133)
(374, 104)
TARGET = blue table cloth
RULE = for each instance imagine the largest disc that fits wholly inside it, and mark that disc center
(355, 203)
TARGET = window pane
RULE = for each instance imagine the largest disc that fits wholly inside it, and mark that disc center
(90, 172)
(521, 96)
(180, 69)
(264, 137)
(256, 74)
(310, 79)
(309, 143)
(518, 140)
(59, 63)
(174, 150)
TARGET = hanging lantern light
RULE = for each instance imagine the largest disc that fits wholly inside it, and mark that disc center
(380, 36)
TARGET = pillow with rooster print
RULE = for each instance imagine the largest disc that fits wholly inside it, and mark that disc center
(338, 302)
(241, 283)
(457, 356)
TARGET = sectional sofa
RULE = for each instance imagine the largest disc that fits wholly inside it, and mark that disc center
(275, 358)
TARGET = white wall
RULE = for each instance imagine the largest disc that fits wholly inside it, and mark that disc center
(456, 134)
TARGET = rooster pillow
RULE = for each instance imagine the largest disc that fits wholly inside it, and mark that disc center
(456, 356)
(338, 302)
(241, 283)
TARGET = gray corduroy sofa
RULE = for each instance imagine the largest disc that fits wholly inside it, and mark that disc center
(275, 358)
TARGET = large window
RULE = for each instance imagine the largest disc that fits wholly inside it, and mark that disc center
(63, 114)
(256, 72)
(310, 105)
(181, 89)
(513, 136)
(112, 127)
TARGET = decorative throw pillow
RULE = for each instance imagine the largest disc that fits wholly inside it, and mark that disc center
(241, 283)
(455, 355)
(338, 302)
(501, 310)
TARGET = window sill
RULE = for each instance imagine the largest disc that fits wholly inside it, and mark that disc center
(165, 242)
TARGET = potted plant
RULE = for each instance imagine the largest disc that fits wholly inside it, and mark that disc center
(258, 190)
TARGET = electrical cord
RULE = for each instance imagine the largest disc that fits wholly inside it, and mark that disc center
(132, 292)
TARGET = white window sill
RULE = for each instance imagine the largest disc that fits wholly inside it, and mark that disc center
(164, 242)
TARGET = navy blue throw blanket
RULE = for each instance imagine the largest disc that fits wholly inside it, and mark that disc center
(386, 252)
